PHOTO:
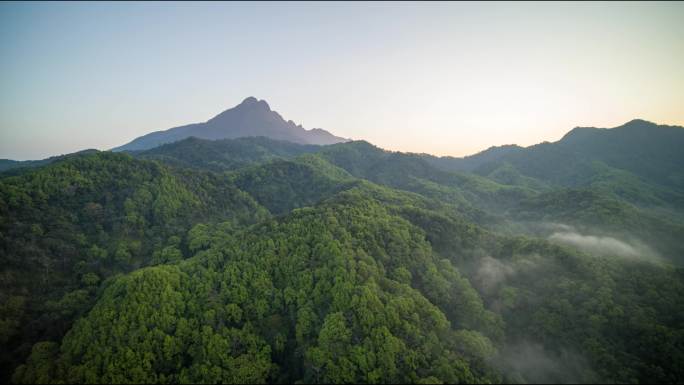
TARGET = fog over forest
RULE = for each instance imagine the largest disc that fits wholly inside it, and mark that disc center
(341, 192)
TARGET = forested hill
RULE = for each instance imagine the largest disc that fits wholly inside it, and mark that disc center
(605, 201)
(6, 165)
(225, 154)
(254, 260)
(638, 155)
(68, 226)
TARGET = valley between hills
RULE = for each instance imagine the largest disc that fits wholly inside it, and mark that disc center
(247, 249)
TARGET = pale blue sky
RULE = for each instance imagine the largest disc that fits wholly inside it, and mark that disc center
(443, 78)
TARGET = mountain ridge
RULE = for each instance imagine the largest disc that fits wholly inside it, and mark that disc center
(252, 117)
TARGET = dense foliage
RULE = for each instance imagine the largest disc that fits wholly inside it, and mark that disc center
(218, 155)
(67, 227)
(316, 296)
(252, 261)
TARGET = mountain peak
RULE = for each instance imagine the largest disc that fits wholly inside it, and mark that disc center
(252, 102)
(578, 134)
(252, 117)
(249, 100)
(638, 122)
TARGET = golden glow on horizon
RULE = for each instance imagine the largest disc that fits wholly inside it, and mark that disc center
(440, 78)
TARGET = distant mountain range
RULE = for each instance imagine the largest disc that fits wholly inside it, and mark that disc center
(625, 147)
(638, 155)
(648, 152)
(252, 117)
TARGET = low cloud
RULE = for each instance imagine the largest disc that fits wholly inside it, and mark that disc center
(596, 245)
(526, 362)
(553, 226)
(603, 245)
(490, 273)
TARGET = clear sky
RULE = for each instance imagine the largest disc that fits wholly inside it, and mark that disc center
(441, 78)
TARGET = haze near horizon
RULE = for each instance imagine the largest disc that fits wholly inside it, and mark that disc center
(446, 79)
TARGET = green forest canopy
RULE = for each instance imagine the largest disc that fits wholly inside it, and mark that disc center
(343, 263)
